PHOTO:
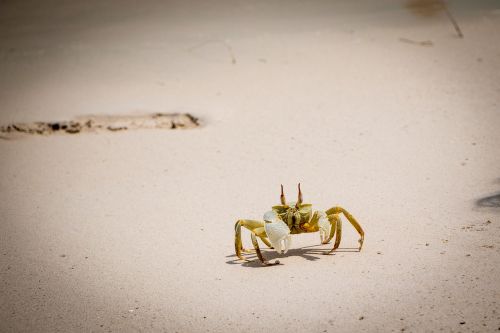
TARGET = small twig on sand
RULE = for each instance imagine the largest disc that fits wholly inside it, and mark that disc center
(427, 8)
(426, 43)
(453, 21)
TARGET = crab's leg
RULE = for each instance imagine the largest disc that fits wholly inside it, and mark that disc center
(338, 235)
(266, 241)
(333, 223)
(350, 218)
(237, 240)
(257, 249)
(238, 246)
(261, 233)
(250, 225)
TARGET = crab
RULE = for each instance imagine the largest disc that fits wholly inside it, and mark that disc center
(293, 218)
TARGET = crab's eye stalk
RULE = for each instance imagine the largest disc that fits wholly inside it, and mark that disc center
(282, 197)
(299, 200)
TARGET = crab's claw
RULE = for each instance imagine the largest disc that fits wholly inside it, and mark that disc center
(324, 227)
(278, 232)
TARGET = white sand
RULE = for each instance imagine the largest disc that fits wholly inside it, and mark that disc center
(133, 231)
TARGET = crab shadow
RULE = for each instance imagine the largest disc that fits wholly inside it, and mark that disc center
(311, 253)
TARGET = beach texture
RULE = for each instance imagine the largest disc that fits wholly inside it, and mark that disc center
(373, 105)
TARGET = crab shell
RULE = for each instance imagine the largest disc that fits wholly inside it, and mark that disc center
(279, 233)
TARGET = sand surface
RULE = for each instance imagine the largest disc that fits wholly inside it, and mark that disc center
(370, 105)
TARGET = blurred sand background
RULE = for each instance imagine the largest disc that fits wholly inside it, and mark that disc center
(371, 105)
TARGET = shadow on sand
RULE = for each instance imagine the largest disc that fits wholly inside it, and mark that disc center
(310, 253)
(491, 201)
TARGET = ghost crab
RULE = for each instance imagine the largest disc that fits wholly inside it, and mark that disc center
(294, 218)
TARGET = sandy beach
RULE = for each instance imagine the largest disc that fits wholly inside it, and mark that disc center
(379, 107)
